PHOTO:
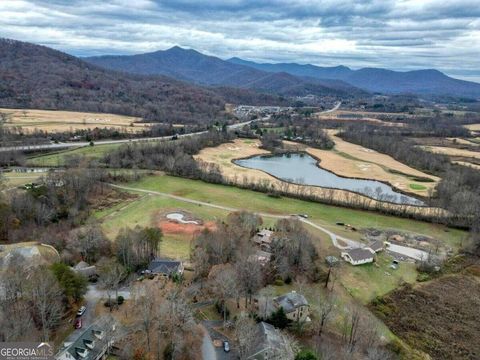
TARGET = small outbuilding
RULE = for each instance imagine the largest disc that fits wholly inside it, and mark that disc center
(376, 246)
(359, 256)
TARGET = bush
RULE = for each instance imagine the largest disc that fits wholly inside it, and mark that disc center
(279, 282)
(423, 277)
(120, 299)
(306, 355)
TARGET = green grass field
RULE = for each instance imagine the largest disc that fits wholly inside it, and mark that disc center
(417, 187)
(59, 158)
(362, 282)
(321, 214)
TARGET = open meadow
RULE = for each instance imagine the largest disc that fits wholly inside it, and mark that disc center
(58, 121)
(59, 158)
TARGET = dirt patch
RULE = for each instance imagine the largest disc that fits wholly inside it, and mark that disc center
(440, 317)
(188, 225)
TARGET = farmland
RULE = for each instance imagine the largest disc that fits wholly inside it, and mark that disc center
(58, 121)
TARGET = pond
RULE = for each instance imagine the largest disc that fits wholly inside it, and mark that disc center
(302, 169)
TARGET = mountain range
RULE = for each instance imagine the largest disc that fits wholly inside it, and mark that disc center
(34, 76)
(195, 67)
(289, 79)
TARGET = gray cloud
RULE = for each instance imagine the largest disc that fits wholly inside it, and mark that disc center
(401, 34)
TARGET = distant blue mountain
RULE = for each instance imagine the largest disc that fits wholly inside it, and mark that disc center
(424, 82)
(193, 66)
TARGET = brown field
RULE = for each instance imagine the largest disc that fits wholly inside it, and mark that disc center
(439, 317)
(224, 154)
(58, 121)
(339, 115)
(452, 151)
(473, 127)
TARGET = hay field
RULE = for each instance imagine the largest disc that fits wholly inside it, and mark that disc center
(473, 127)
(345, 115)
(452, 151)
(14, 179)
(58, 121)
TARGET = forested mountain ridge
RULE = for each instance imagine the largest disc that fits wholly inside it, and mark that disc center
(195, 67)
(422, 82)
(33, 76)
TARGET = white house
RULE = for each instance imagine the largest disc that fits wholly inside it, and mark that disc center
(359, 256)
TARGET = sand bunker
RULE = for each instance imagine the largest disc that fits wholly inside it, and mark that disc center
(179, 217)
(181, 222)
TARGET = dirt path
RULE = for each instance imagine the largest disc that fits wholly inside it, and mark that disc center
(334, 237)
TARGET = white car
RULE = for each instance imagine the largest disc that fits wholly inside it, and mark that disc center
(81, 311)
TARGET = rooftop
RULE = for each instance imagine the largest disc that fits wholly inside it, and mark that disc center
(160, 266)
(289, 302)
(359, 254)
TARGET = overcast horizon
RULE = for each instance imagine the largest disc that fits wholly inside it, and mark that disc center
(399, 35)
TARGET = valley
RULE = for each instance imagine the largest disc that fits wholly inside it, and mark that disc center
(177, 205)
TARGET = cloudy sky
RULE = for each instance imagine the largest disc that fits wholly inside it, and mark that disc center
(395, 34)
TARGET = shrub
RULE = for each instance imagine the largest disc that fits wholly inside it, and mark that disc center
(120, 299)
(306, 355)
(279, 319)
(279, 282)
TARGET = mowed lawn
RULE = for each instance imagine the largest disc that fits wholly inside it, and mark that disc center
(59, 158)
(144, 211)
(325, 215)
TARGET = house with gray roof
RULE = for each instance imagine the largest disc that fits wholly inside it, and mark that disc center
(376, 246)
(295, 305)
(165, 267)
(270, 343)
(359, 256)
(92, 344)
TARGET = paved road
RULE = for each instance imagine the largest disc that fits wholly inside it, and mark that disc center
(106, 142)
(92, 297)
(336, 107)
(219, 353)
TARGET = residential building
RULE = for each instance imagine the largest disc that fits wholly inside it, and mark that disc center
(295, 305)
(93, 343)
(359, 256)
(165, 267)
(270, 344)
(376, 246)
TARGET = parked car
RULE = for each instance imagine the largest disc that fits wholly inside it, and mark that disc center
(81, 311)
(78, 323)
(226, 346)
